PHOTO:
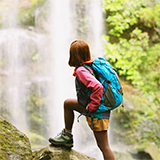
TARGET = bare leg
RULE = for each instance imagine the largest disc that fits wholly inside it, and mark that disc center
(103, 144)
(69, 106)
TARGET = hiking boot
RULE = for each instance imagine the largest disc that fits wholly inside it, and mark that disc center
(62, 139)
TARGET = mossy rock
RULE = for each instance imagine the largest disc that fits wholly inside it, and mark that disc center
(146, 151)
(14, 145)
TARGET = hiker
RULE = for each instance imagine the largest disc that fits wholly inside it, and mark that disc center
(79, 54)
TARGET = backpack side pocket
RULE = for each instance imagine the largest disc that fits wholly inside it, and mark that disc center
(109, 100)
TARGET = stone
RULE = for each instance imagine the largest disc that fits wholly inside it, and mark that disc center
(145, 151)
(14, 145)
(51, 152)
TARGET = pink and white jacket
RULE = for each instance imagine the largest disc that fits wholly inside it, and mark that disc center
(94, 89)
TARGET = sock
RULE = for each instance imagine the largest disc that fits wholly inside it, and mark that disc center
(68, 131)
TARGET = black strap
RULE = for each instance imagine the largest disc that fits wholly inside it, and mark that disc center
(104, 78)
(86, 67)
(97, 74)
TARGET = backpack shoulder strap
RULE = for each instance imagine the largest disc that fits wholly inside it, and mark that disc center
(86, 67)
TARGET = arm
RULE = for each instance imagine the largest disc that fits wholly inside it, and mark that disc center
(90, 81)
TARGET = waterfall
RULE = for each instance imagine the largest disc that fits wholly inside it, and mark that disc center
(97, 27)
(12, 75)
(24, 61)
(10, 11)
(11, 63)
(18, 73)
(60, 29)
(35, 77)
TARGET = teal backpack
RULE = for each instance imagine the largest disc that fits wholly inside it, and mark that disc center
(107, 75)
(112, 89)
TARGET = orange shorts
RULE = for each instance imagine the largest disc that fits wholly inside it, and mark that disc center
(98, 124)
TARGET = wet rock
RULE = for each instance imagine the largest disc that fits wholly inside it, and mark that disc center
(14, 145)
(59, 153)
(145, 151)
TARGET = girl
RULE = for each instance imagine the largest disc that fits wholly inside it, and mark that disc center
(89, 95)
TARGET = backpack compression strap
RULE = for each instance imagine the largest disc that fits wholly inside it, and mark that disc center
(97, 74)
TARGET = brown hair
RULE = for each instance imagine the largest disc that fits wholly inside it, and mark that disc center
(79, 53)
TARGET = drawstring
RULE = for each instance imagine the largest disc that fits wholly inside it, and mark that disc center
(87, 113)
(91, 121)
(80, 116)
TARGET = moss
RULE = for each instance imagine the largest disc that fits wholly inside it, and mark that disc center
(27, 16)
(13, 142)
(21, 137)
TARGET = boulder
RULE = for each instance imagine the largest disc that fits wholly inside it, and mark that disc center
(59, 153)
(145, 151)
(14, 145)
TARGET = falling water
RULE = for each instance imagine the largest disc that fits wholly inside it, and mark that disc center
(60, 30)
(11, 74)
(35, 77)
(96, 25)
(10, 11)
(18, 73)
(11, 63)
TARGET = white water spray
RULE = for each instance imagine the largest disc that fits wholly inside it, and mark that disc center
(37, 66)
(18, 72)
(97, 27)
(11, 63)
(60, 30)
(10, 11)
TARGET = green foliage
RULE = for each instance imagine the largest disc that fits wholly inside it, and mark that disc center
(35, 57)
(135, 54)
(136, 125)
(34, 1)
(27, 13)
(122, 15)
(128, 55)
(150, 16)
(132, 45)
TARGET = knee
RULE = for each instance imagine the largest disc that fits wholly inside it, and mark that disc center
(66, 102)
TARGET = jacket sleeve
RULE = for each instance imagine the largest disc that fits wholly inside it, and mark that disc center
(90, 81)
